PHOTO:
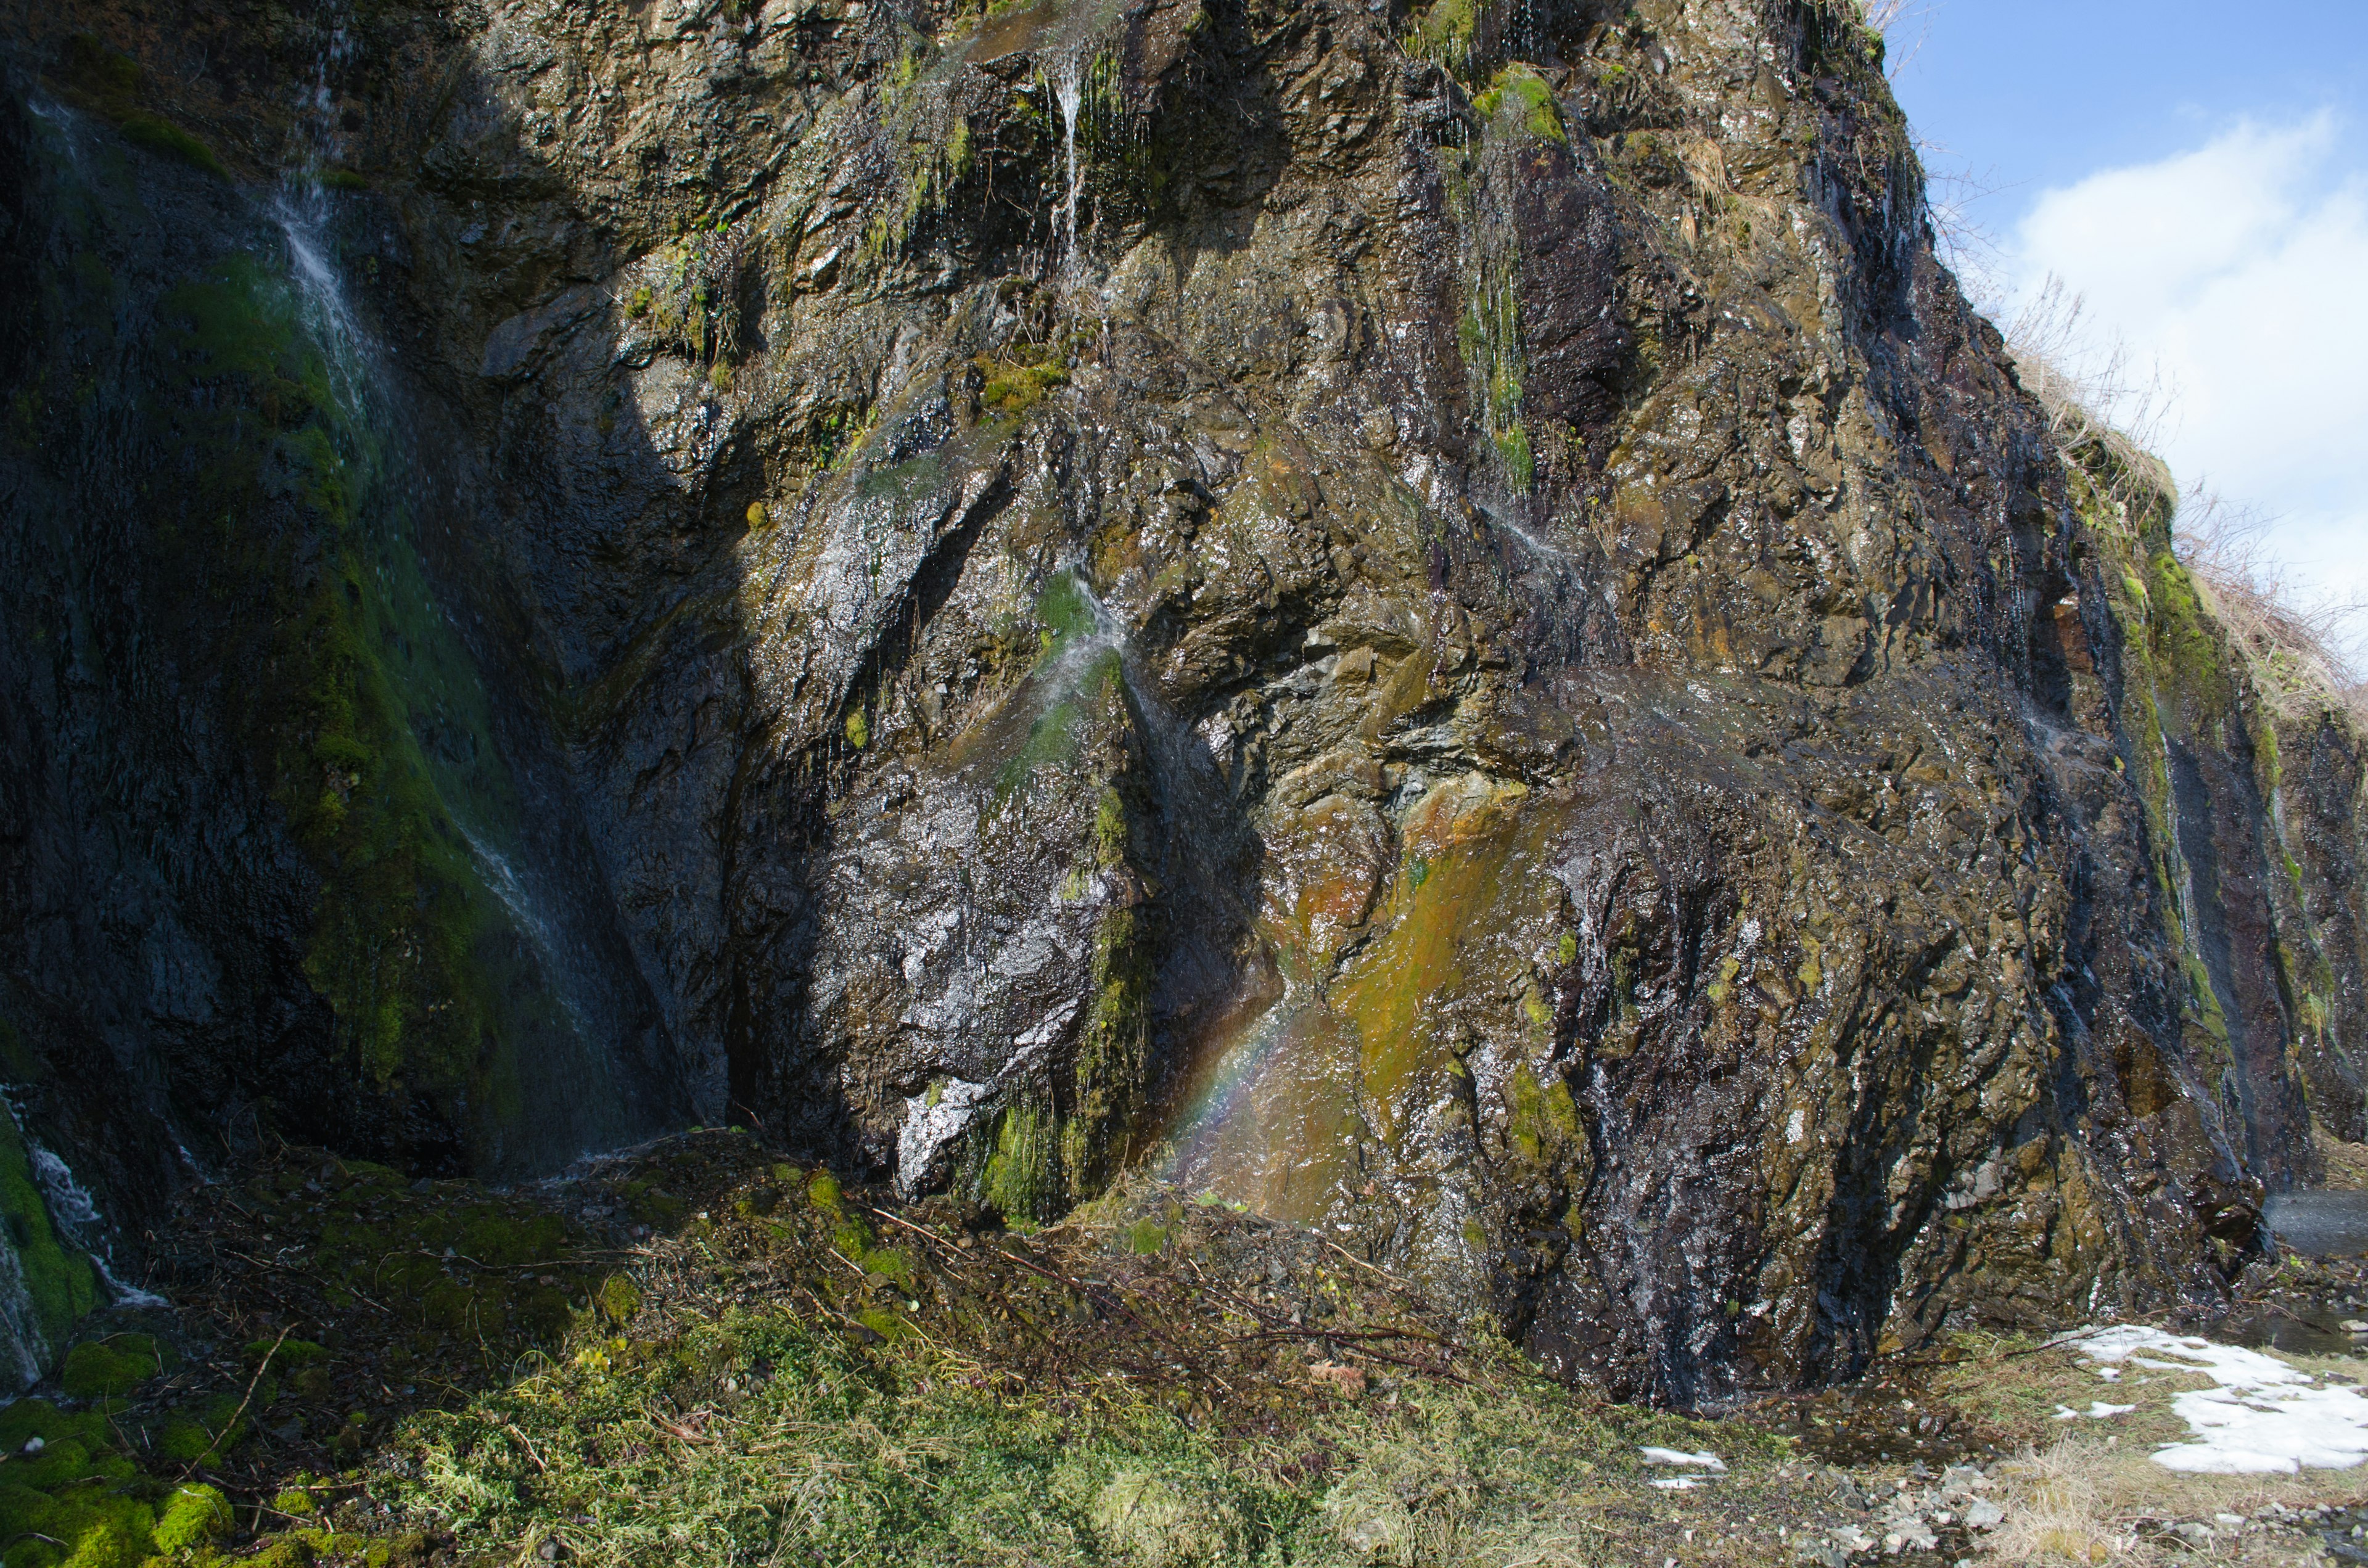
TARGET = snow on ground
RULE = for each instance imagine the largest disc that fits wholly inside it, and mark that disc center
(2264, 1416)
(1705, 1460)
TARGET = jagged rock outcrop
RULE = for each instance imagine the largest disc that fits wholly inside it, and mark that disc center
(1439, 622)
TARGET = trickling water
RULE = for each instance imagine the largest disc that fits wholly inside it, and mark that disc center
(1069, 89)
(21, 1339)
(572, 1058)
(75, 1214)
(303, 217)
(1505, 519)
(559, 956)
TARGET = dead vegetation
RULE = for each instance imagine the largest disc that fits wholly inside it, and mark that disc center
(2107, 413)
(699, 1352)
(2297, 642)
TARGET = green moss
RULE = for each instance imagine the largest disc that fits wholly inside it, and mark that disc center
(496, 1237)
(1720, 989)
(2187, 644)
(193, 1517)
(850, 1238)
(1539, 1119)
(823, 1192)
(890, 1263)
(1443, 33)
(1022, 1177)
(161, 135)
(91, 1527)
(296, 1502)
(301, 568)
(1520, 97)
(1489, 331)
(858, 729)
(113, 1366)
(1513, 447)
(1013, 387)
(618, 1300)
(185, 1441)
(1052, 739)
(884, 1323)
(1062, 610)
(284, 1354)
(59, 1282)
(1112, 1056)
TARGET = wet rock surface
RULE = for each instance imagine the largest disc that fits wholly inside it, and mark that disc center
(1437, 623)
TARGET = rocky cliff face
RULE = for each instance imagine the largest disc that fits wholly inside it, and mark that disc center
(1439, 622)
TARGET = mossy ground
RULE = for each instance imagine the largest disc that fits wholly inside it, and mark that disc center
(701, 1352)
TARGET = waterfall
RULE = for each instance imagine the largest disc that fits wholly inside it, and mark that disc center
(21, 1339)
(571, 1018)
(1069, 89)
(75, 1214)
(560, 957)
(55, 1247)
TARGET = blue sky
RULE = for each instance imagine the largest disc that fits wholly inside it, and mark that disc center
(2199, 175)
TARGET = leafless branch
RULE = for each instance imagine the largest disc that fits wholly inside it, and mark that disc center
(1892, 19)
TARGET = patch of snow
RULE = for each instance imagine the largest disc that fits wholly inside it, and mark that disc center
(2264, 1416)
(1709, 1461)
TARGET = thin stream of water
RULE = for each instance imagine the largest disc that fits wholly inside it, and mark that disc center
(1069, 89)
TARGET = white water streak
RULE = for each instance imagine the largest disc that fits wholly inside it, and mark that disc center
(1069, 89)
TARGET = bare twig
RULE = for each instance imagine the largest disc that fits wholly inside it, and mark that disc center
(232, 1425)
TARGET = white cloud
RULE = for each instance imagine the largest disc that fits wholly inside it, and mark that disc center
(2240, 268)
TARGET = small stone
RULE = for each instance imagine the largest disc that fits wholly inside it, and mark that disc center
(1982, 1514)
(1911, 1534)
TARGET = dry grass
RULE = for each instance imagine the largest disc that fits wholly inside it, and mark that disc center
(2093, 392)
(2347, 1164)
(2098, 401)
(2080, 1501)
(2296, 644)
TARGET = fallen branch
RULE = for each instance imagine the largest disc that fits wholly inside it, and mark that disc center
(232, 1425)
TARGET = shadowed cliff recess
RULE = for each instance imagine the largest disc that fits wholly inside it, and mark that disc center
(1436, 623)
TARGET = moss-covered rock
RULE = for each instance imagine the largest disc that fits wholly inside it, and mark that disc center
(112, 1366)
(46, 1285)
